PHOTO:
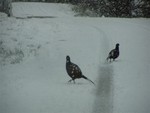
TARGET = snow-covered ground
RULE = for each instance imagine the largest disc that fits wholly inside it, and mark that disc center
(42, 9)
(33, 53)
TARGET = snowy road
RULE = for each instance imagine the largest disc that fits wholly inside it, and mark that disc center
(33, 74)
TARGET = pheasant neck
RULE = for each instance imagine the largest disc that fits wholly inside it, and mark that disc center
(68, 62)
(117, 48)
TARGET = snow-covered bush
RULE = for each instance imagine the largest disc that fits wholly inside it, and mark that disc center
(6, 7)
(141, 8)
(83, 10)
(16, 52)
(10, 55)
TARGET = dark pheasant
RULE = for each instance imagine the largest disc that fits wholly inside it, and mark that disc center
(74, 71)
(113, 54)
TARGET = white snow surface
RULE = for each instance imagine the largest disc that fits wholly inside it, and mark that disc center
(33, 77)
(42, 9)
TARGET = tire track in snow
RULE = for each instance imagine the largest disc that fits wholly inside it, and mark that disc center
(104, 92)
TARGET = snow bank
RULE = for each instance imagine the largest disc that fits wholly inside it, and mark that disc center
(36, 9)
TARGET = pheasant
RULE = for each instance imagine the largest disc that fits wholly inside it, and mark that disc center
(113, 54)
(74, 71)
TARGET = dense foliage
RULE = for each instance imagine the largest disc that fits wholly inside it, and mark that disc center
(114, 8)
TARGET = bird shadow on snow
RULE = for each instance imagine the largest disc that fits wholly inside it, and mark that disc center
(115, 61)
(77, 83)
